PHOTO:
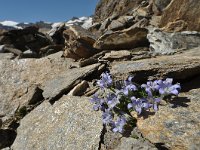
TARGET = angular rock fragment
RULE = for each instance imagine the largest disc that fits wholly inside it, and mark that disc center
(56, 33)
(124, 39)
(116, 141)
(69, 124)
(117, 55)
(78, 42)
(79, 89)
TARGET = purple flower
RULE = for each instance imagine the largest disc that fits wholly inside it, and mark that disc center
(98, 102)
(119, 124)
(105, 80)
(152, 101)
(166, 87)
(107, 116)
(112, 100)
(138, 104)
(151, 86)
(128, 86)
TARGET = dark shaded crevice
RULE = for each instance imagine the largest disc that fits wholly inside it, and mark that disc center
(37, 96)
(143, 76)
(161, 146)
(190, 83)
(102, 137)
(7, 137)
(97, 73)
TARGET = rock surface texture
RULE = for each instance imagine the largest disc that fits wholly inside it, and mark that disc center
(69, 124)
(21, 78)
(78, 42)
(179, 66)
(107, 8)
(176, 127)
(165, 43)
(66, 81)
(125, 39)
(181, 15)
(45, 78)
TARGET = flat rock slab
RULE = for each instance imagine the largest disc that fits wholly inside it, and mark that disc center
(19, 78)
(178, 128)
(66, 81)
(179, 66)
(67, 125)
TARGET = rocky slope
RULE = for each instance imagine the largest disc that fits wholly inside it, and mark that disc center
(46, 79)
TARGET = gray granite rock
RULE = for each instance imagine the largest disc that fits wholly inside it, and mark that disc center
(135, 144)
(67, 125)
(115, 141)
(66, 81)
(165, 43)
(179, 66)
(177, 127)
(20, 80)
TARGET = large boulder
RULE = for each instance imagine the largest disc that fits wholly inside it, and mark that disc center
(182, 14)
(69, 124)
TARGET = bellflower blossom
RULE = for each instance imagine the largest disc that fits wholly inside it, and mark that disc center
(166, 87)
(153, 101)
(105, 81)
(138, 104)
(98, 102)
(118, 126)
(151, 86)
(112, 100)
(107, 117)
(128, 86)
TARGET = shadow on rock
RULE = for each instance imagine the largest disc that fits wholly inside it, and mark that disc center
(7, 137)
(180, 102)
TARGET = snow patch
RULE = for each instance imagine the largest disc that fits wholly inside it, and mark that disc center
(10, 24)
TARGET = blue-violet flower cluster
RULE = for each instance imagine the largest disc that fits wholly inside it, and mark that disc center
(117, 101)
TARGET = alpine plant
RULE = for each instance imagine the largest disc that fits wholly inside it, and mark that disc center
(118, 99)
